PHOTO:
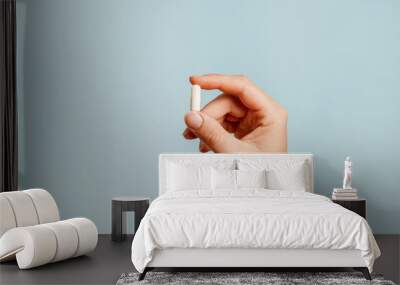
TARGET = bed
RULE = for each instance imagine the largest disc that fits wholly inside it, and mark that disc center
(247, 211)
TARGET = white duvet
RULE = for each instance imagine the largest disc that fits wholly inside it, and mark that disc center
(251, 218)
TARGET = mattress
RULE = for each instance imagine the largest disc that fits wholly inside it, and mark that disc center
(250, 219)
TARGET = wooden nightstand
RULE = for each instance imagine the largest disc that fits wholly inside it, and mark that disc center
(358, 206)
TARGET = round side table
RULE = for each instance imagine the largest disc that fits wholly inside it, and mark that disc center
(121, 205)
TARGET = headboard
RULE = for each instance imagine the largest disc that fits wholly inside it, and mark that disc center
(219, 160)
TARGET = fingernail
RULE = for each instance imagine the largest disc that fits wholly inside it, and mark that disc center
(191, 78)
(193, 120)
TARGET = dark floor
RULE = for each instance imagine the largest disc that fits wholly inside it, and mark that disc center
(110, 260)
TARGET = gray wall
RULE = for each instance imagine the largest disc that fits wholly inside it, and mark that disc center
(103, 89)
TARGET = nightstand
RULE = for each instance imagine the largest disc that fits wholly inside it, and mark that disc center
(121, 205)
(358, 206)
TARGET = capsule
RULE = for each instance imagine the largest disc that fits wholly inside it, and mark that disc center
(195, 99)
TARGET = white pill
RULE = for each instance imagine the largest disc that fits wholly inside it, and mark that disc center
(195, 99)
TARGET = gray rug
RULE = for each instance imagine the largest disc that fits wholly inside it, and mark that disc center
(231, 278)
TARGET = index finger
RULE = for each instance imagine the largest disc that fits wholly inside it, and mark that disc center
(248, 93)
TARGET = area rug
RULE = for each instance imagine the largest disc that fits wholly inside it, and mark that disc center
(269, 278)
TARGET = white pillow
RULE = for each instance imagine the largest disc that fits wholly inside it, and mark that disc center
(188, 177)
(224, 179)
(251, 178)
(293, 179)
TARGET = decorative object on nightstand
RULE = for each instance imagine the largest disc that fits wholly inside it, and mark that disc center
(347, 192)
(347, 179)
(121, 205)
(358, 206)
(347, 196)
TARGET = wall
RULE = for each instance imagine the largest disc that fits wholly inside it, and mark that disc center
(103, 89)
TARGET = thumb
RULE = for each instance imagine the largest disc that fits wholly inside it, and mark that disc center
(209, 130)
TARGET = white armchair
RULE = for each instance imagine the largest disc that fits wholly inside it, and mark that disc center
(31, 230)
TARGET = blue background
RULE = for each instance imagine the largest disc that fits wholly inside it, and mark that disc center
(103, 88)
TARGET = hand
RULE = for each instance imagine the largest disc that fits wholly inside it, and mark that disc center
(242, 119)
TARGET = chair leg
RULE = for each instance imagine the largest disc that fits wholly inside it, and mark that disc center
(142, 275)
(364, 271)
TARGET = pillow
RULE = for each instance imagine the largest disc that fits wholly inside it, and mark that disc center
(288, 178)
(224, 179)
(188, 177)
(251, 178)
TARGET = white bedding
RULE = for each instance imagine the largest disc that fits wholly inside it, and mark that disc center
(250, 218)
